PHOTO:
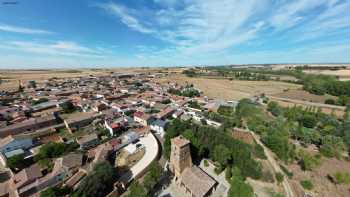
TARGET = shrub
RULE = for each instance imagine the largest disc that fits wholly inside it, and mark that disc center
(287, 172)
(279, 177)
(307, 184)
(206, 164)
(330, 102)
(342, 178)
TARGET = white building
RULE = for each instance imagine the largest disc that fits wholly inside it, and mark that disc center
(159, 127)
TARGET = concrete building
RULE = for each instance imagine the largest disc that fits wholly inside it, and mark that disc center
(180, 157)
(193, 181)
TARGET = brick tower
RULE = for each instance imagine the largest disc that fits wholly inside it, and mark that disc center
(180, 157)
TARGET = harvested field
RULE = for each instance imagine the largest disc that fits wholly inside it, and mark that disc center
(231, 90)
(304, 96)
(342, 74)
(328, 109)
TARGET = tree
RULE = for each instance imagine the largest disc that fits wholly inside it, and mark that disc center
(137, 189)
(221, 154)
(99, 182)
(51, 150)
(68, 107)
(274, 108)
(152, 176)
(16, 161)
(240, 189)
(279, 177)
(330, 102)
(32, 84)
(332, 146)
(55, 192)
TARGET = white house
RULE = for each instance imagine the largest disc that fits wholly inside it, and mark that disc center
(159, 127)
(11, 143)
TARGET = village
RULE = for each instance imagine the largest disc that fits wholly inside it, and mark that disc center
(119, 118)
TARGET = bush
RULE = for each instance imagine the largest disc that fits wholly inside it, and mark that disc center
(287, 172)
(330, 102)
(342, 178)
(307, 184)
(206, 163)
(279, 177)
(267, 176)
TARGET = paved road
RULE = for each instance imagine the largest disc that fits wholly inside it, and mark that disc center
(287, 189)
(151, 153)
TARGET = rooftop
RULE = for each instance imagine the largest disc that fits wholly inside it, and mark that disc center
(180, 141)
(197, 181)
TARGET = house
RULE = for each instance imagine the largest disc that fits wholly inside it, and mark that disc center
(25, 181)
(159, 127)
(67, 165)
(88, 141)
(165, 113)
(30, 125)
(64, 168)
(177, 113)
(11, 143)
(142, 118)
(116, 124)
(130, 137)
(78, 120)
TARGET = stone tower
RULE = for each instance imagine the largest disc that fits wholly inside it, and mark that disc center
(180, 157)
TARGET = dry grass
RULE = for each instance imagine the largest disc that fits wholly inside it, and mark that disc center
(304, 96)
(231, 90)
(323, 187)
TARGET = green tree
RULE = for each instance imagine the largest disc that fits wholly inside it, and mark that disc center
(279, 177)
(240, 189)
(152, 176)
(68, 107)
(221, 154)
(99, 182)
(16, 161)
(332, 146)
(274, 108)
(55, 192)
(137, 189)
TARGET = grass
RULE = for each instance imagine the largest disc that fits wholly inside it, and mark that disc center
(307, 184)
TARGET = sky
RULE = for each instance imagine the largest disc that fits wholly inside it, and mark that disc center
(42, 34)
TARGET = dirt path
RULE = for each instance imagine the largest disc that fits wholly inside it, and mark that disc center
(287, 188)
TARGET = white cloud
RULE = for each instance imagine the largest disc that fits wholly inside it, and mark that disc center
(201, 26)
(23, 30)
(126, 17)
(58, 48)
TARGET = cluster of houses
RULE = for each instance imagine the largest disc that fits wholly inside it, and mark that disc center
(102, 114)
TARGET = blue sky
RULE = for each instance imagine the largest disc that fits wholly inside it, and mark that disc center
(93, 33)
